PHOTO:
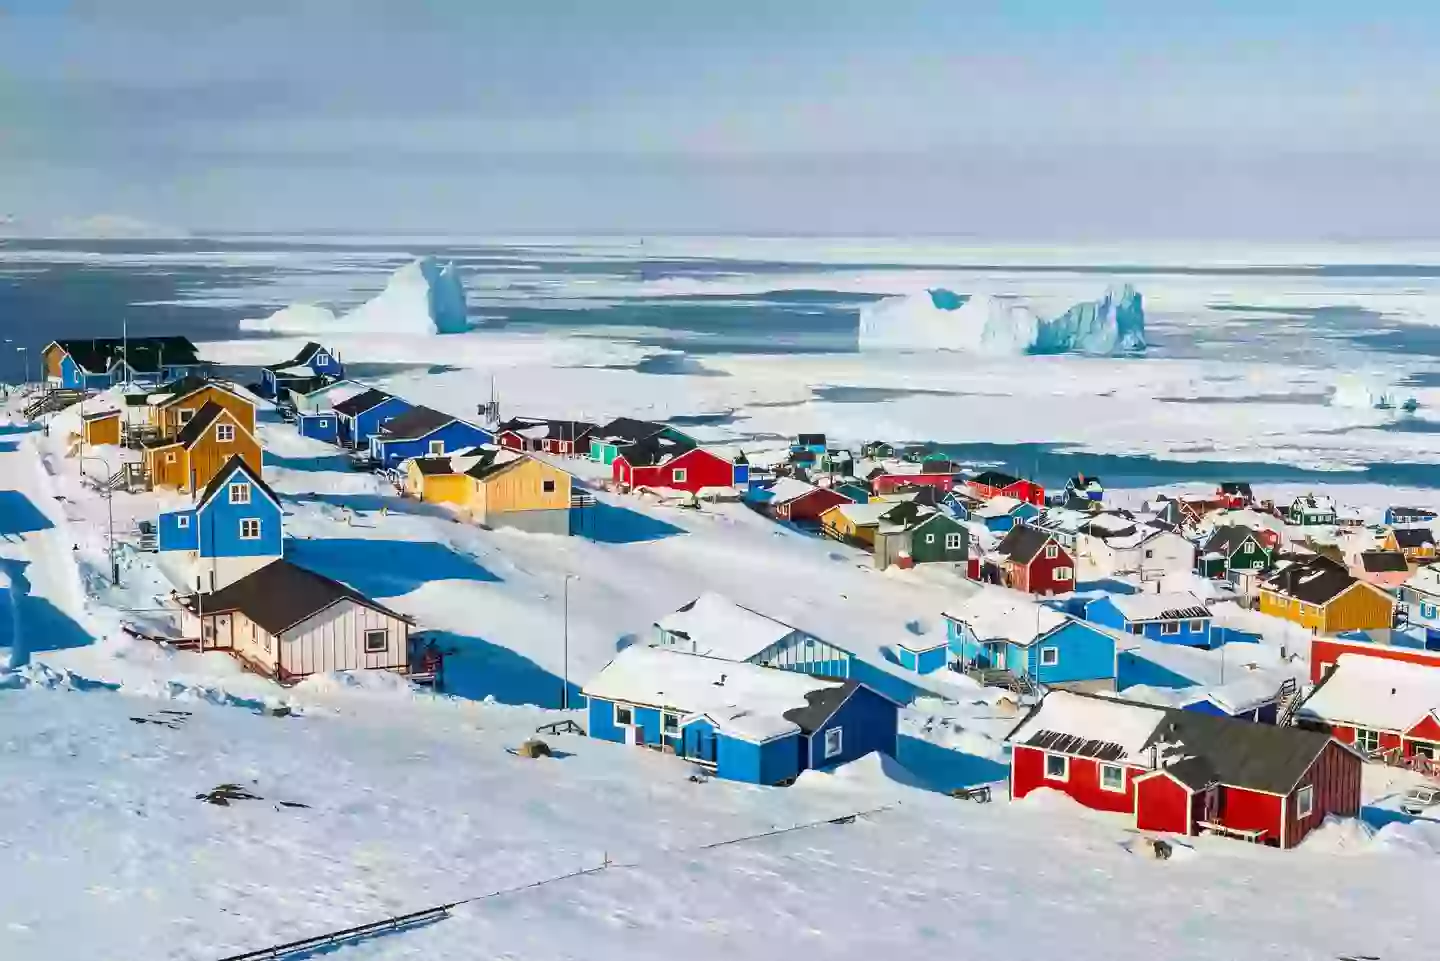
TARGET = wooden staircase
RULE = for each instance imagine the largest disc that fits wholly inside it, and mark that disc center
(1290, 700)
(51, 401)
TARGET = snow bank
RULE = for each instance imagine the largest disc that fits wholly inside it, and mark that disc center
(1003, 325)
(1360, 393)
(422, 297)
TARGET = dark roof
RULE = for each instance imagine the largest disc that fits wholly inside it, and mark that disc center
(1227, 540)
(519, 423)
(304, 385)
(1314, 581)
(1412, 512)
(653, 450)
(414, 424)
(1377, 562)
(1022, 543)
(1078, 746)
(1236, 489)
(188, 384)
(489, 462)
(281, 594)
(627, 428)
(1414, 536)
(306, 352)
(143, 353)
(1082, 481)
(569, 430)
(361, 402)
(820, 706)
(196, 426)
(1261, 757)
(102, 414)
(809, 440)
(904, 513)
(937, 467)
(1076, 501)
(136, 400)
(433, 465)
(994, 478)
(222, 478)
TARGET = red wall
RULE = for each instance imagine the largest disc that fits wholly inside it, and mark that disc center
(1162, 804)
(511, 440)
(1335, 775)
(1040, 578)
(888, 483)
(1426, 730)
(1326, 651)
(1027, 491)
(1027, 773)
(702, 469)
(1250, 811)
(809, 507)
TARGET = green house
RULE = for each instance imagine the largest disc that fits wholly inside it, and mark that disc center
(606, 442)
(1234, 547)
(939, 537)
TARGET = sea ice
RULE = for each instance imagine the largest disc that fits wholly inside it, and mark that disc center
(1358, 393)
(423, 297)
(1005, 325)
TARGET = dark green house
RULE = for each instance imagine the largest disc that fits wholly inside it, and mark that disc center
(1234, 547)
(608, 441)
(939, 537)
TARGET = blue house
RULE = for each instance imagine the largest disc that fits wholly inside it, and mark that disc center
(744, 722)
(321, 426)
(423, 431)
(1000, 513)
(921, 656)
(1408, 515)
(1085, 488)
(312, 361)
(1032, 641)
(960, 505)
(1170, 618)
(715, 626)
(101, 362)
(234, 528)
(814, 443)
(360, 416)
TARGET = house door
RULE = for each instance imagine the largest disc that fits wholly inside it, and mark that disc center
(1210, 805)
(700, 744)
(224, 632)
(996, 654)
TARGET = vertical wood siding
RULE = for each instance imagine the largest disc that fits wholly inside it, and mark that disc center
(334, 640)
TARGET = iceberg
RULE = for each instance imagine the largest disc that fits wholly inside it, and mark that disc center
(422, 297)
(1003, 325)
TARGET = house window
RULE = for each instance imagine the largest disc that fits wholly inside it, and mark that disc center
(437, 447)
(1149, 555)
(547, 487)
(952, 542)
(1112, 778)
(170, 457)
(1196, 627)
(186, 413)
(1057, 767)
(1256, 565)
(624, 715)
(1062, 573)
(183, 521)
(321, 359)
(929, 538)
(239, 493)
(324, 423)
(1170, 627)
(377, 641)
(1136, 628)
(1367, 740)
(1305, 802)
(834, 741)
(249, 528)
(1052, 551)
(670, 723)
(1049, 656)
(677, 476)
(225, 433)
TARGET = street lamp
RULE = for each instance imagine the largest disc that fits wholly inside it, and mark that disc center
(24, 364)
(110, 509)
(565, 655)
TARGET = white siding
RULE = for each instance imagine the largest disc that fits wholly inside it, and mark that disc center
(334, 640)
(254, 644)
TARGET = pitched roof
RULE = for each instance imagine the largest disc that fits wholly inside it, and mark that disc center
(1314, 581)
(864, 515)
(788, 489)
(222, 479)
(653, 450)
(810, 440)
(176, 389)
(1001, 505)
(360, 403)
(1414, 536)
(300, 359)
(569, 429)
(490, 460)
(414, 424)
(627, 428)
(430, 466)
(281, 594)
(1375, 692)
(196, 426)
(1228, 539)
(1001, 615)
(1159, 607)
(97, 354)
(994, 478)
(716, 626)
(1022, 543)
(1235, 488)
(1379, 562)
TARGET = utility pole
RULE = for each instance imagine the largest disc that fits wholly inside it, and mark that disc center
(110, 511)
(565, 649)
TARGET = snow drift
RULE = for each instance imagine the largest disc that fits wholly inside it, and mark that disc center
(422, 297)
(940, 319)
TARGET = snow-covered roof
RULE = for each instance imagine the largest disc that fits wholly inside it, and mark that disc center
(743, 700)
(788, 488)
(1122, 728)
(865, 514)
(1375, 692)
(1425, 579)
(716, 626)
(997, 506)
(1159, 607)
(997, 614)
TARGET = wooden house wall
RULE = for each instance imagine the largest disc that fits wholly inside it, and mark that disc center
(334, 640)
(1335, 776)
(208, 455)
(1164, 804)
(1360, 608)
(521, 487)
(166, 417)
(102, 430)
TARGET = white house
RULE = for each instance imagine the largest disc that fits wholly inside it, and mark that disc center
(1111, 546)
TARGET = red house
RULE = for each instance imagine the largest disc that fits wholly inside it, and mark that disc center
(1032, 560)
(890, 483)
(646, 465)
(798, 502)
(565, 437)
(1185, 772)
(1388, 709)
(1325, 653)
(521, 433)
(992, 483)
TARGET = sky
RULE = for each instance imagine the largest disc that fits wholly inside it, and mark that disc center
(1004, 120)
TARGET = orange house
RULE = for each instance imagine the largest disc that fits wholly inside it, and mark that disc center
(202, 447)
(185, 399)
(100, 428)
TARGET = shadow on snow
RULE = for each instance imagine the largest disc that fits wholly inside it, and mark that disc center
(33, 624)
(476, 668)
(339, 463)
(19, 516)
(610, 524)
(362, 504)
(383, 568)
(942, 769)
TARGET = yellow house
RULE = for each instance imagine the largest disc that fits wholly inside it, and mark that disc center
(102, 427)
(508, 489)
(435, 481)
(204, 445)
(1324, 597)
(172, 407)
(1417, 543)
(854, 522)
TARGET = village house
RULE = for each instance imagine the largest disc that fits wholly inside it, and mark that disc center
(437, 480)
(101, 427)
(608, 440)
(521, 493)
(1311, 510)
(191, 459)
(1180, 618)
(1063, 523)
(1382, 645)
(322, 396)
(360, 417)
(994, 483)
(1030, 560)
(1085, 488)
(661, 464)
(715, 626)
(1401, 516)
(921, 655)
(1388, 709)
(172, 406)
(1235, 494)
(235, 527)
(877, 450)
(747, 723)
(1386, 570)
(1184, 772)
(310, 362)
(1320, 594)
(1110, 545)
(1036, 644)
(1233, 548)
(892, 479)
(568, 438)
(854, 523)
(96, 363)
(853, 488)
(1420, 600)
(814, 443)
(1417, 544)
(960, 504)
(795, 501)
(522, 433)
(423, 431)
(286, 622)
(1002, 513)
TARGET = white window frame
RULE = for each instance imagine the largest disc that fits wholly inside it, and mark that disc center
(321, 358)
(629, 709)
(834, 742)
(1169, 627)
(929, 538)
(1064, 573)
(952, 541)
(1137, 627)
(384, 640)
(437, 447)
(184, 414)
(1197, 625)
(1305, 802)
(1363, 734)
(678, 475)
(1064, 774)
(1052, 551)
(170, 457)
(240, 493)
(183, 522)
(244, 522)
(324, 422)
(1117, 789)
(224, 433)
(1053, 653)
(669, 724)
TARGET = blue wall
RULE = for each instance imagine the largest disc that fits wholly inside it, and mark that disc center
(1131, 670)
(1103, 611)
(768, 763)
(895, 688)
(367, 422)
(922, 662)
(172, 537)
(218, 523)
(1085, 654)
(324, 427)
(456, 435)
(868, 722)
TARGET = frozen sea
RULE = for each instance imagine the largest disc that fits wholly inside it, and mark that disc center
(752, 338)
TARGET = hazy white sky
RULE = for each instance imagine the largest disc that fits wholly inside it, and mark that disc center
(1008, 120)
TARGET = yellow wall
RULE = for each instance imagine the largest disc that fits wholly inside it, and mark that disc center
(835, 521)
(163, 471)
(520, 487)
(102, 430)
(166, 416)
(437, 488)
(204, 458)
(1361, 608)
